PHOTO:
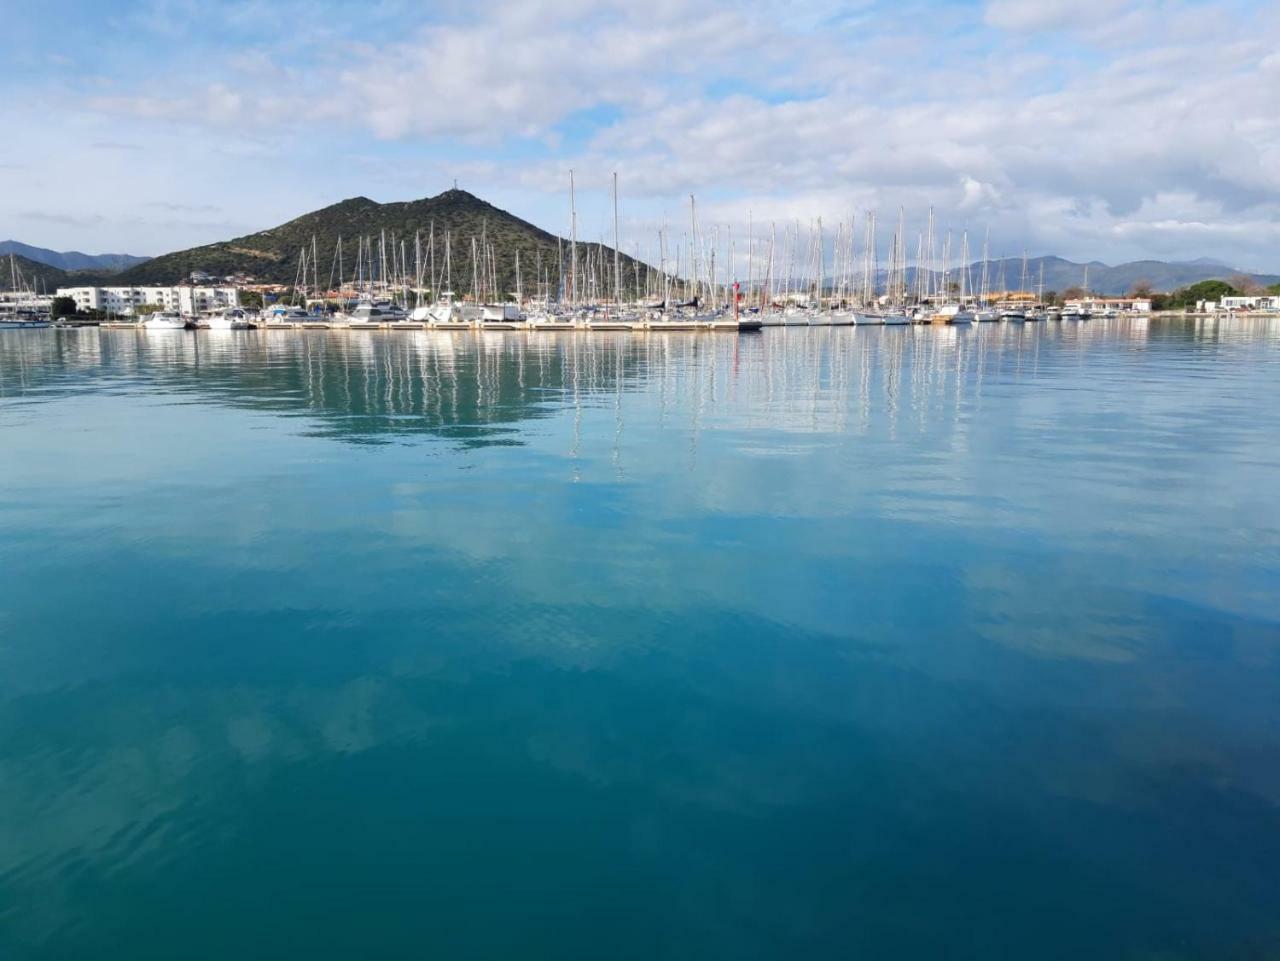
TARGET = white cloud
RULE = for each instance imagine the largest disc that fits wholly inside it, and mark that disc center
(1096, 128)
(1050, 14)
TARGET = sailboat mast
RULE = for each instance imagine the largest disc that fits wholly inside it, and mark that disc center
(693, 245)
(986, 267)
(617, 269)
(573, 243)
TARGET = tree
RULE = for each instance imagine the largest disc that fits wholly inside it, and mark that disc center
(1245, 284)
(1140, 288)
(251, 299)
(63, 307)
(1211, 290)
(1274, 290)
(1204, 290)
(1072, 293)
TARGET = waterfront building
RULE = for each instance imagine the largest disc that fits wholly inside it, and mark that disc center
(184, 299)
(1263, 302)
(1138, 305)
(12, 299)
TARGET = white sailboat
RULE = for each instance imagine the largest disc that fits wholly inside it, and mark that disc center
(985, 313)
(24, 314)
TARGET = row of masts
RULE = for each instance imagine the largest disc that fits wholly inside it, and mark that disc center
(701, 267)
(19, 285)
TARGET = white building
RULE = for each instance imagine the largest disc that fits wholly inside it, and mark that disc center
(1139, 305)
(187, 300)
(12, 299)
(1250, 303)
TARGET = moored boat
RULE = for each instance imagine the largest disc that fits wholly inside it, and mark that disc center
(19, 322)
(233, 318)
(167, 320)
(377, 312)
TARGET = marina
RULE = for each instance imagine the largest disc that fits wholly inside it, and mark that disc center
(806, 277)
(693, 481)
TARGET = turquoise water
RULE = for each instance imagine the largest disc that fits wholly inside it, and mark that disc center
(898, 643)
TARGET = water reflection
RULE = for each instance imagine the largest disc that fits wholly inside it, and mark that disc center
(367, 384)
(820, 642)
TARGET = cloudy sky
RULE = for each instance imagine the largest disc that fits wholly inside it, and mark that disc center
(1104, 129)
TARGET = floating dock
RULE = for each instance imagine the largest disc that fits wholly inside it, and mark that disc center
(711, 326)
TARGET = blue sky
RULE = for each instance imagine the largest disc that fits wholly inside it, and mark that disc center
(1088, 128)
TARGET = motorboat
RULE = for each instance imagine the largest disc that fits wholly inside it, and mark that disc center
(377, 312)
(167, 320)
(501, 314)
(285, 314)
(234, 318)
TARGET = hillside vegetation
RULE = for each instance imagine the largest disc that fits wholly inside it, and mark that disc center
(273, 255)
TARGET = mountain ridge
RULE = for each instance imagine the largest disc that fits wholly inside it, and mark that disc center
(273, 254)
(44, 278)
(70, 260)
(1161, 276)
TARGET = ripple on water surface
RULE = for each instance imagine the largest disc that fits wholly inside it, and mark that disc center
(905, 643)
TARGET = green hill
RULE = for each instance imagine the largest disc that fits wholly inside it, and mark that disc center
(273, 255)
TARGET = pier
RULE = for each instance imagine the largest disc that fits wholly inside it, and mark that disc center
(712, 326)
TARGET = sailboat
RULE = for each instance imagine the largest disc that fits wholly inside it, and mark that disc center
(23, 316)
(955, 312)
(17, 321)
(1019, 314)
(985, 313)
(895, 286)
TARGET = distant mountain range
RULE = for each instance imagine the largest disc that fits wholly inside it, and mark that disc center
(273, 255)
(71, 259)
(46, 279)
(1159, 275)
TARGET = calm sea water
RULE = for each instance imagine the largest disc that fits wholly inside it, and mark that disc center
(896, 643)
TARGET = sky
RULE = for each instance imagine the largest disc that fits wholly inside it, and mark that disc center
(1093, 129)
